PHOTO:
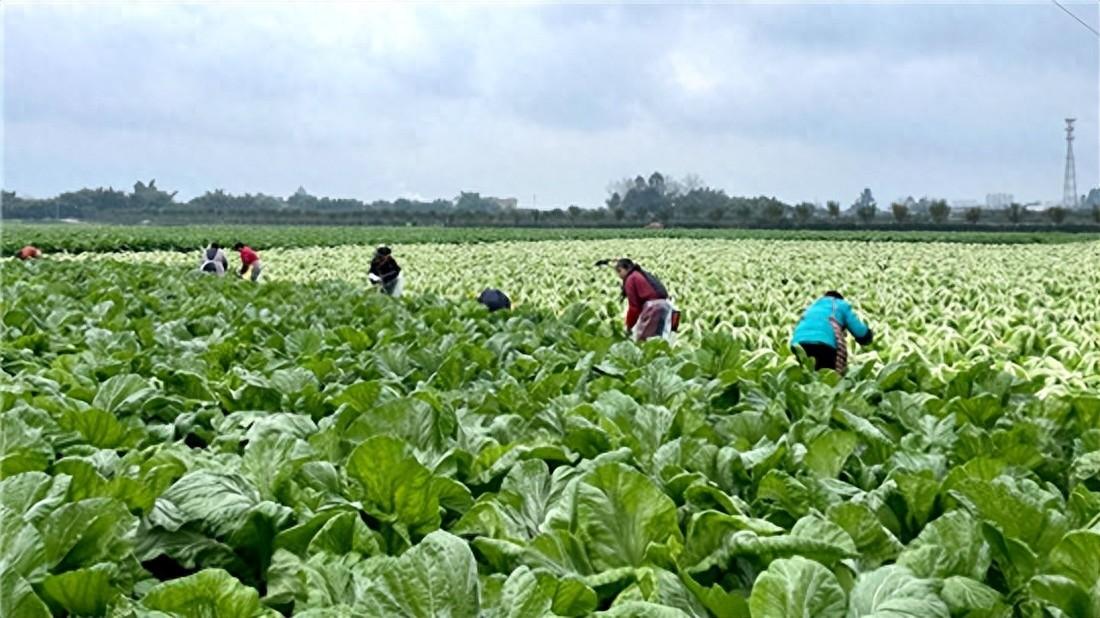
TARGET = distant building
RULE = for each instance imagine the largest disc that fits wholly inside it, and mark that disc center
(919, 207)
(964, 204)
(998, 201)
(1091, 200)
(1041, 206)
(505, 203)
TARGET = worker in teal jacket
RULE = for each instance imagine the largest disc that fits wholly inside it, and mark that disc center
(822, 333)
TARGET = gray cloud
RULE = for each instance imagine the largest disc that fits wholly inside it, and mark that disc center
(801, 101)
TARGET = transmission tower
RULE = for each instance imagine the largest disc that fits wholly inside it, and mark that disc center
(1069, 193)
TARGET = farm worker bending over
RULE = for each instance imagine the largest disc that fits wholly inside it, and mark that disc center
(649, 312)
(214, 260)
(823, 332)
(494, 299)
(249, 260)
(385, 272)
(30, 252)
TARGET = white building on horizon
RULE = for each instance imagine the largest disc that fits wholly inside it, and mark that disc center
(998, 201)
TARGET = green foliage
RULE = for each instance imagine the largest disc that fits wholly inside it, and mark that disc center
(184, 445)
(1015, 212)
(798, 588)
(939, 211)
(865, 206)
(1057, 214)
(804, 211)
(192, 238)
(900, 212)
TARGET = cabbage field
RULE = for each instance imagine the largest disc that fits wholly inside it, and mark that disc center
(179, 445)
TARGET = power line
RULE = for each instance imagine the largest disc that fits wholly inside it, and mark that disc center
(1079, 20)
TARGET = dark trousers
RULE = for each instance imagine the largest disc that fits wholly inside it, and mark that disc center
(824, 355)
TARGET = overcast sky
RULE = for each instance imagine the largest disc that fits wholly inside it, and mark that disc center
(803, 101)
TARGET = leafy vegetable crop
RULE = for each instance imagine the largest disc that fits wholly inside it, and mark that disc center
(174, 444)
(85, 237)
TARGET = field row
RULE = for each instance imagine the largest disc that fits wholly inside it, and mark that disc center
(78, 238)
(1032, 306)
(198, 447)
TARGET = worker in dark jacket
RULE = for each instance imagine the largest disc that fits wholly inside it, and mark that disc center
(385, 272)
(822, 333)
(494, 300)
(649, 312)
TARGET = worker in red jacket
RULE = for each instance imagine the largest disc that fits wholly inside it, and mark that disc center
(649, 312)
(30, 252)
(250, 260)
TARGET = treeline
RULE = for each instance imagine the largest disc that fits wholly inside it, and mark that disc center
(94, 237)
(654, 201)
(692, 203)
(149, 202)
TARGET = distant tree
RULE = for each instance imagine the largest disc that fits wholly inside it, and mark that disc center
(87, 202)
(866, 198)
(1096, 214)
(900, 212)
(619, 213)
(691, 182)
(939, 211)
(694, 203)
(865, 206)
(833, 208)
(1057, 214)
(657, 182)
(648, 200)
(149, 196)
(620, 186)
(973, 215)
(614, 201)
(302, 200)
(804, 211)
(216, 200)
(716, 214)
(574, 212)
(772, 211)
(1014, 212)
(742, 208)
(642, 203)
(471, 202)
